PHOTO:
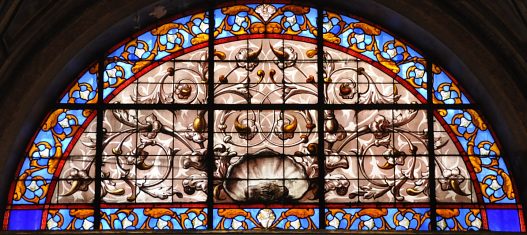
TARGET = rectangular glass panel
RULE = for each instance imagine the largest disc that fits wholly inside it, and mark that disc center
(265, 71)
(172, 82)
(153, 218)
(70, 219)
(459, 219)
(154, 156)
(265, 155)
(266, 218)
(378, 218)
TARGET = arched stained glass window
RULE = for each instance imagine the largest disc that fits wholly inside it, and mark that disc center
(246, 117)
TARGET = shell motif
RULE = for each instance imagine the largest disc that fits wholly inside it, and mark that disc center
(266, 176)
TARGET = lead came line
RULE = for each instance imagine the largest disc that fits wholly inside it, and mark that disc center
(431, 151)
(210, 116)
(99, 147)
(320, 121)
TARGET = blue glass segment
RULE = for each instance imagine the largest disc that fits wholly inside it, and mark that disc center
(25, 219)
(503, 220)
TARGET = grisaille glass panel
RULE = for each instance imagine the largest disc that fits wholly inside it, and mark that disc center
(350, 80)
(265, 71)
(182, 80)
(376, 155)
(265, 155)
(155, 156)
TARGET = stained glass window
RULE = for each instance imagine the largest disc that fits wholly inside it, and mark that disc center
(264, 116)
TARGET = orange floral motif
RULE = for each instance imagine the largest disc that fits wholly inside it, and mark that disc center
(81, 213)
(231, 213)
(300, 213)
(158, 212)
(375, 213)
(447, 213)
